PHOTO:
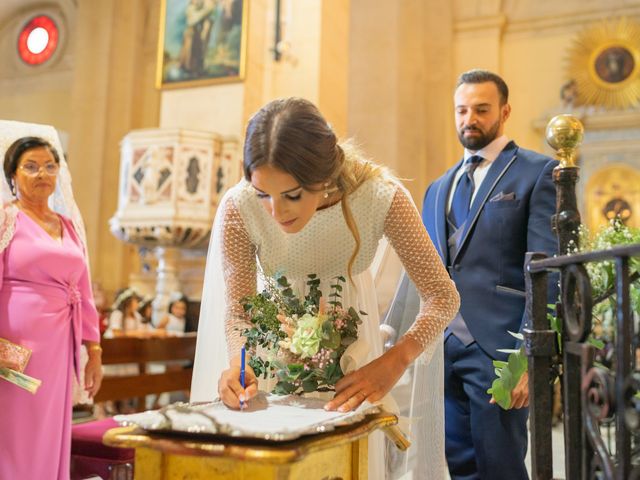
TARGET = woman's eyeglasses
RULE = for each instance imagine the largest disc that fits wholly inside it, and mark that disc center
(32, 169)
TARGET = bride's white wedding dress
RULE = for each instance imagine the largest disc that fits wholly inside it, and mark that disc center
(246, 239)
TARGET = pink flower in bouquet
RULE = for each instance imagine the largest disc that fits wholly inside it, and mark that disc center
(321, 359)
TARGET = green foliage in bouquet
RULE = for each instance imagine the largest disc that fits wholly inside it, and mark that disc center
(603, 278)
(299, 340)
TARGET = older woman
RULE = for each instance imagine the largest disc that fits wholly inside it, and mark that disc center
(46, 305)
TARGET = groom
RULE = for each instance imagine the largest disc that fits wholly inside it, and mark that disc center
(483, 215)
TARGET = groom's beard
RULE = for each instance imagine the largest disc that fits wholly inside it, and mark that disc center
(480, 141)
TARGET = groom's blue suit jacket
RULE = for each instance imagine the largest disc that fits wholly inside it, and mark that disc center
(510, 215)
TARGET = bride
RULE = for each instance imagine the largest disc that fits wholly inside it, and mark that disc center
(308, 204)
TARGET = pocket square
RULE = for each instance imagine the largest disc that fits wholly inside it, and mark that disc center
(502, 197)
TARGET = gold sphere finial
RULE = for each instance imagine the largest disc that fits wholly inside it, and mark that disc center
(564, 135)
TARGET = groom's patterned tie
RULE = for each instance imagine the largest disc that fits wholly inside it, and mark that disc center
(458, 213)
(464, 191)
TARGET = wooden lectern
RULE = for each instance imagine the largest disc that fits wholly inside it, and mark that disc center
(341, 453)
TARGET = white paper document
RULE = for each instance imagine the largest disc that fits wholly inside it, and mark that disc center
(268, 417)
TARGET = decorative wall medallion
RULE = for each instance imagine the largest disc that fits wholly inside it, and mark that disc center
(38, 40)
(605, 64)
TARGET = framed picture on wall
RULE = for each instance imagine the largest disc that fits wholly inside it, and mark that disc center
(201, 42)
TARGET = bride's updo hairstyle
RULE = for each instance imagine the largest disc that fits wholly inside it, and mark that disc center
(292, 135)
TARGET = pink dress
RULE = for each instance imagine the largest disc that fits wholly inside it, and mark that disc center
(46, 305)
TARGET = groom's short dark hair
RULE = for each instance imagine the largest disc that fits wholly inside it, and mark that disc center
(482, 76)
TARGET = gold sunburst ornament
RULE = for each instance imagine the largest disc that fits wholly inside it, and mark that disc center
(604, 61)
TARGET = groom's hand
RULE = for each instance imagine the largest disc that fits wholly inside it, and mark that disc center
(230, 389)
(520, 394)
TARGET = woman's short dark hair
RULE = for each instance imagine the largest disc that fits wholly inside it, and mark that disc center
(18, 148)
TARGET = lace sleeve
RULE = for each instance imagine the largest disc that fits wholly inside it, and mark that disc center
(239, 269)
(439, 298)
(8, 215)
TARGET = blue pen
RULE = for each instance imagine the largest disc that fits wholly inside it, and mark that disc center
(242, 368)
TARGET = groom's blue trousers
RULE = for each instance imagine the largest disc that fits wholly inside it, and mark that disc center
(483, 441)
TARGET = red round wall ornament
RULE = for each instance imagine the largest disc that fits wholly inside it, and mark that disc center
(38, 40)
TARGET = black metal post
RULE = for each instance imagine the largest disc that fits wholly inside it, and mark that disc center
(572, 411)
(540, 345)
(575, 291)
(593, 393)
(624, 335)
(592, 379)
(566, 221)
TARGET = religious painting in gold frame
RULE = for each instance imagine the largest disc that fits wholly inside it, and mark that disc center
(613, 192)
(201, 42)
(604, 61)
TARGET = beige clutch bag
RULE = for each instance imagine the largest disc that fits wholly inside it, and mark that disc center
(14, 354)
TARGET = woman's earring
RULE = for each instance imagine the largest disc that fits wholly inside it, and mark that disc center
(12, 187)
(326, 190)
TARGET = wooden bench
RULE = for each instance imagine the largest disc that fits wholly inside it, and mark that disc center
(88, 454)
(142, 351)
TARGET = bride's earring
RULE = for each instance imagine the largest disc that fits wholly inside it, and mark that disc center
(326, 190)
